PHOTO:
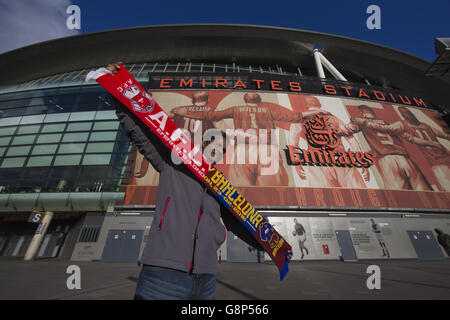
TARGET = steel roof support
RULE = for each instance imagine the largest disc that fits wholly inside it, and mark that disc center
(318, 64)
(335, 72)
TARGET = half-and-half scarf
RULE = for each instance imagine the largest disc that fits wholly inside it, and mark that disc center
(130, 93)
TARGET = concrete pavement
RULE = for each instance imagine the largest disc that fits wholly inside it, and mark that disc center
(400, 279)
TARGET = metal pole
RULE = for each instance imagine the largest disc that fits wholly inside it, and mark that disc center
(38, 236)
(318, 64)
(331, 68)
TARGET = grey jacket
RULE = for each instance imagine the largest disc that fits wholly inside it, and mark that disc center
(186, 231)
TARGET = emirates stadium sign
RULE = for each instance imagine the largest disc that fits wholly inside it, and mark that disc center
(284, 83)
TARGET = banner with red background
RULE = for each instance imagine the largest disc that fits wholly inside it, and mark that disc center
(407, 173)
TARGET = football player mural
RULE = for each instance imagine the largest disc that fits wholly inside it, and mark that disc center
(311, 150)
(411, 153)
(394, 163)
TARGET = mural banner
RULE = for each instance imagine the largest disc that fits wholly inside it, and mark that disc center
(302, 150)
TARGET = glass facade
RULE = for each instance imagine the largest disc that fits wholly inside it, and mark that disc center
(64, 139)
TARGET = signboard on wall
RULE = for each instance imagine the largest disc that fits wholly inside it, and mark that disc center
(314, 238)
(36, 216)
(382, 155)
(280, 83)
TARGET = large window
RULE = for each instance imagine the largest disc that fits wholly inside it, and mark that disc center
(54, 134)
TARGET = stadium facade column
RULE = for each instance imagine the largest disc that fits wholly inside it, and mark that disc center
(318, 64)
(38, 236)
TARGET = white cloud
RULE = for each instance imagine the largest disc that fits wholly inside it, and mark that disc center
(24, 22)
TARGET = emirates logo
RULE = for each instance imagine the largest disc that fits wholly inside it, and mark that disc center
(319, 134)
(324, 139)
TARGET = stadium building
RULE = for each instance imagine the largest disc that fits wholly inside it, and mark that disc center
(367, 179)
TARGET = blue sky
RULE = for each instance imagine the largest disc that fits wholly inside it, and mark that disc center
(405, 25)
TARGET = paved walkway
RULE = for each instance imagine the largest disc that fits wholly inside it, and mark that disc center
(401, 279)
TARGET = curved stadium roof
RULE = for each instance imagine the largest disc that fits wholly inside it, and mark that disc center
(217, 43)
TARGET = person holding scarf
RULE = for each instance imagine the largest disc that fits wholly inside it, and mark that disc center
(180, 258)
